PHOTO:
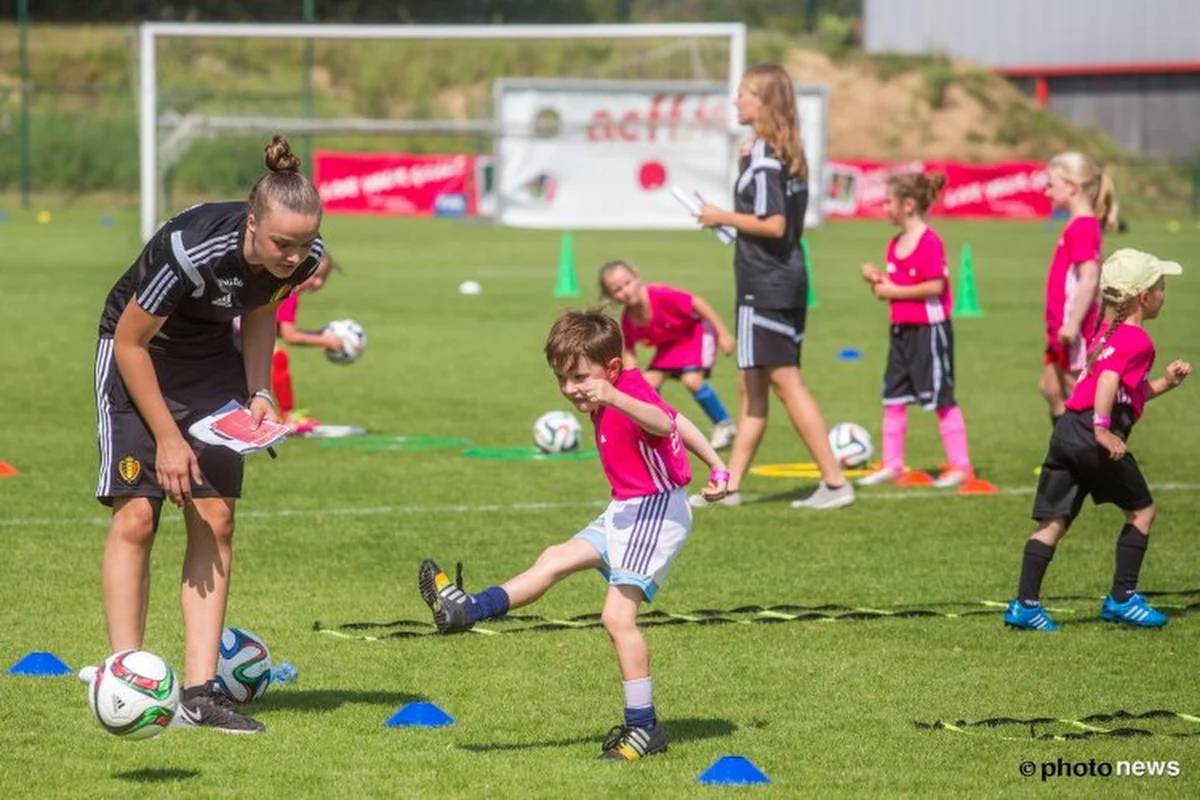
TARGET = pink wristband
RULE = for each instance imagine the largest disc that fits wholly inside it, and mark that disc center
(719, 476)
(1101, 421)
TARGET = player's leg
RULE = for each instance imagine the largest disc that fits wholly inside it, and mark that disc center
(938, 353)
(125, 570)
(802, 409)
(455, 610)
(1026, 610)
(204, 592)
(753, 385)
(654, 377)
(640, 735)
(1122, 483)
(898, 392)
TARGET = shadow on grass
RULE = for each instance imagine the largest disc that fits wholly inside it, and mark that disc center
(168, 775)
(330, 699)
(678, 730)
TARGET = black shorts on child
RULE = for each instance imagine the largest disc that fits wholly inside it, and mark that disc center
(768, 337)
(920, 367)
(192, 388)
(1076, 467)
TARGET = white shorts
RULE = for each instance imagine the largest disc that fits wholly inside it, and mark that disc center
(640, 538)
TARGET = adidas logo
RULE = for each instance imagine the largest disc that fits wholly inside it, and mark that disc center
(118, 704)
(225, 301)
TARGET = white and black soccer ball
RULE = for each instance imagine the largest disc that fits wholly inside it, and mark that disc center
(243, 665)
(557, 432)
(851, 444)
(353, 339)
(134, 694)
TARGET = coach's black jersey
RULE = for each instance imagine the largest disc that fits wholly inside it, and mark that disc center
(193, 273)
(769, 272)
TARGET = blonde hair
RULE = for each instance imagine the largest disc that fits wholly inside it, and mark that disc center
(576, 335)
(919, 187)
(777, 122)
(283, 186)
(1081, 170)
(609, 267)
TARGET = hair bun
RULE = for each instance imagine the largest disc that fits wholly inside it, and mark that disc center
(279, 156)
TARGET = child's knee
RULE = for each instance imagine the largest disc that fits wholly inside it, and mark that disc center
(1143, 518)
(619, 622)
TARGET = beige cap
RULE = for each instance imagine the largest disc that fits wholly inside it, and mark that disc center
(1129, 272)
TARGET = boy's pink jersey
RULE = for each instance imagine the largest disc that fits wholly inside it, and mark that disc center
(287, 309)
(1129, 352)
(927, 262)
(674, 330)
(1079, 243)
(636, 463)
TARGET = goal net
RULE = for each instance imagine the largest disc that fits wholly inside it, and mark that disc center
(487, 106)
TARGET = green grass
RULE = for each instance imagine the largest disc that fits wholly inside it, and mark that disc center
(335, 535)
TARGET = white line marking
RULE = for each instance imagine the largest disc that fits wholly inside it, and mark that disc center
(462, 508)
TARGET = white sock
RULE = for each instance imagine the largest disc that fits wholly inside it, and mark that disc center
(638, 693)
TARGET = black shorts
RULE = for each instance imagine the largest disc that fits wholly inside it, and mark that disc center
(193, 388)
(768, 337)
(920, 367)
(1076, 467)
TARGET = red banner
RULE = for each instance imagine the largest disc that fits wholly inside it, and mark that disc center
(396, 183)
(856, 189)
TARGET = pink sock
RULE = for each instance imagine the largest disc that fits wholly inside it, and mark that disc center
(954, 436)
(895, 424)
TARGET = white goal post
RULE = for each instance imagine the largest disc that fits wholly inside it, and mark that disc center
(150, 119)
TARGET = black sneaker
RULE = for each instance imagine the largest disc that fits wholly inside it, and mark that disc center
(627, 743)
(213, 709)
(447, 601)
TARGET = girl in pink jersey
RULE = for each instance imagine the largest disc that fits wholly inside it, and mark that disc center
(685, 332)
(289, 333)
(642, 443)
(1079, 187)
(920, 368)
(1088, 455)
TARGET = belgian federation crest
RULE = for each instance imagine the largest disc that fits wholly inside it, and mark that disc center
(130, 469)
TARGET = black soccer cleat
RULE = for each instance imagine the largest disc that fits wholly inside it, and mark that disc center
(214, 709)
(445, 599)
(628, 743)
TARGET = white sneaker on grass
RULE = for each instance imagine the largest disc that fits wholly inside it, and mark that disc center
(722, 435)
(881, 475)
(952, 477)
(826, 498)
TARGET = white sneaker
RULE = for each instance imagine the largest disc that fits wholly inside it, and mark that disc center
(881, 475)
(826, 498)
(722, 435)
(731, 499)
(88, 674)
(951, 477)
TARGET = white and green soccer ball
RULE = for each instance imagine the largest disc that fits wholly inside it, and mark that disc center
(557, 432)
(851, 444)
(134, 694)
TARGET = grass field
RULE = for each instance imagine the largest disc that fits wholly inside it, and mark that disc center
(824, 706)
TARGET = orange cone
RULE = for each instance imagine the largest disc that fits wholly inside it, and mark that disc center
(7, 469)
(977, 486)
(915, 478)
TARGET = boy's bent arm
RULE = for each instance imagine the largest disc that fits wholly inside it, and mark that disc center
(709, 315)
(650, 418)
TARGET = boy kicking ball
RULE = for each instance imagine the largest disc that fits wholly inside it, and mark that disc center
(641, 441)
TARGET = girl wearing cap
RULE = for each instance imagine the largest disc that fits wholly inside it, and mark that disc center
(1087, 454)
(1079, 187)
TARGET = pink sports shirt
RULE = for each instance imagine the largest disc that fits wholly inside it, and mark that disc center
(1079, 243)
(674, 330)
(1129, 352)
(927, 262)
(636, 463)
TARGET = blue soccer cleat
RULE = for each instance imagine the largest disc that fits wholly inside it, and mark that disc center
(1134, 611)
(1035, 618)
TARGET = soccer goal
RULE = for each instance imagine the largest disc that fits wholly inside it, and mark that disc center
(654, 98)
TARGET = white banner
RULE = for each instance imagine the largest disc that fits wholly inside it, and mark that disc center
(606, 154)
